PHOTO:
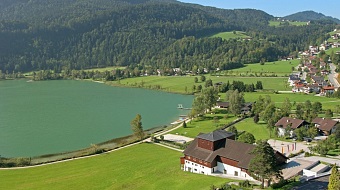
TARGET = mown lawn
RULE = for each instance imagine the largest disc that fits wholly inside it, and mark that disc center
(144, 166)
(230, 35)
(260, 130)
(205, 125)
(280, 68)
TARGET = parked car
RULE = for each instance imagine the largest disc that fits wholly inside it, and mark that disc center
(307, 139)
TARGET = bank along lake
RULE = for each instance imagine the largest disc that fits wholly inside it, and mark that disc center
(46, 117)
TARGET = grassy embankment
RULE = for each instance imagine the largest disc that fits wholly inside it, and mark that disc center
(143, 166)
(231, 35)
(291, 23)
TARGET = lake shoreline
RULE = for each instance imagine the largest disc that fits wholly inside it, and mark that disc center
(157, 123)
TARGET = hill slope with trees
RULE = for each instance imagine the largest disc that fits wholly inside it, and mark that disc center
(306, 16)
(62, 35)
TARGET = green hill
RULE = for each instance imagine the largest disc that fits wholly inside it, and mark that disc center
(306, 16)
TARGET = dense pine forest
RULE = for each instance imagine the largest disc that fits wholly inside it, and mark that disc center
(144, 35)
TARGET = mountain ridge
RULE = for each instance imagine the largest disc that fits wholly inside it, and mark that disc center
(310, 15)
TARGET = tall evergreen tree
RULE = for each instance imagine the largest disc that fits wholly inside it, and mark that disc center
(334, 179)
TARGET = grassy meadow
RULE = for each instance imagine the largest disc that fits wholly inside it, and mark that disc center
(205, 125)
(291, 23)
(280, 68)
(230, 35)
(178, 84)
(259, 130)
(105, 69)
(327, 103)
(329, 51)
(143, 166)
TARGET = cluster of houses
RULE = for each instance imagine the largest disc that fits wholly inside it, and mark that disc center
(317, 84)
(325, 126)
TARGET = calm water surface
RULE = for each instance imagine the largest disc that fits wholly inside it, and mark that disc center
(46, 117)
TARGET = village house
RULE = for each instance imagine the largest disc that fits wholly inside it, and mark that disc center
(325, 125)
(293, 123)
(218, 153)
(246, 107)
(327, 90)
(292, 79)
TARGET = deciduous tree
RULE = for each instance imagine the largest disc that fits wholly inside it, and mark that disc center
(137, 128)
(247, 138)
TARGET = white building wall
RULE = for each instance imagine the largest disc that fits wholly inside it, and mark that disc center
(196, 168)
(308, 173)
(281, 132)
(221, 167)
(232, 171)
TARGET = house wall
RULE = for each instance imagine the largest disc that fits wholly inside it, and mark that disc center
(198, 161)
(281, 132)
(232, 171)
(202, 143)
(308, 173)
(193, 167)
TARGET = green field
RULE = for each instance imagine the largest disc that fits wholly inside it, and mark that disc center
(260, 130)
(230, 35)
(327, 103)
(177, 84)
(205, 126)
(295, 23)
(105, 69)
(144, 166)
(280, 68)
(329, 51)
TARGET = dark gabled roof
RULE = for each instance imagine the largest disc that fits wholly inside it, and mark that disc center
(325, 124)
(294, 77)
(223, 104)
(216, 135)
(233, 150)
(318, 79)
(285, 121)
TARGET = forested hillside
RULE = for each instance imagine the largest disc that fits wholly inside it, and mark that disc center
(306, 16)
(141, 34)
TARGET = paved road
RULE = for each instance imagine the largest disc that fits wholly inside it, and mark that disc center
(316, 184)
(333, 75)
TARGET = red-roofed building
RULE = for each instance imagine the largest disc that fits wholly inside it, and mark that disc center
(217, 152)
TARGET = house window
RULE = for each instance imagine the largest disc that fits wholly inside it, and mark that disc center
(236, 173)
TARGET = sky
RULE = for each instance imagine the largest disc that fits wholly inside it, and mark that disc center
(277, 8)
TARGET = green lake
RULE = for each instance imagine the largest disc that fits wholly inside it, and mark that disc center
(38, 118)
